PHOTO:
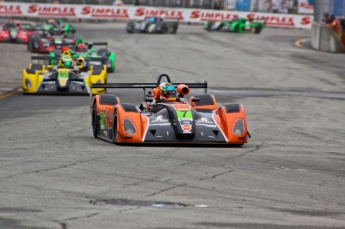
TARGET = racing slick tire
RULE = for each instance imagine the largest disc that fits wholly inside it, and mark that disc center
(30, 42)
(161, 27)
(237, 28)
(258, 29)
(101, 51)
(130, 27)
(95, 121)
(172, 27)
(209, 26)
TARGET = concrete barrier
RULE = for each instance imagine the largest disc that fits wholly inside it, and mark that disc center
(323, 38)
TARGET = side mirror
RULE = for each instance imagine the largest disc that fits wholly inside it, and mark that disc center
(49, 66)
(195, 100)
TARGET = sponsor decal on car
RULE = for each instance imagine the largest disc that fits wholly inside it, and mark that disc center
(102, 120)
(63, 77)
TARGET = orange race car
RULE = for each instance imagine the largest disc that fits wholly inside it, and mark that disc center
(167, 116)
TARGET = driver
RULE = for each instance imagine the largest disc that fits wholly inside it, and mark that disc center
(81, 48)
(52, 22)
(66, 61)
(166, 93)
(152, 19)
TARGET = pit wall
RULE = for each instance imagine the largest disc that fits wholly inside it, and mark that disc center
(97, 12)
(325, 39)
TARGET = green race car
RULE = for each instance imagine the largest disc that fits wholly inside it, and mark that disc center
(239, 25)
(92, 55)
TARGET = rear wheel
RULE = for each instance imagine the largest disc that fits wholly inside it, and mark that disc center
(95, 121)
(130, 27)
(257, 29)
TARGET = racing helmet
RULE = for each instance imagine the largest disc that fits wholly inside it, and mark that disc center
(51, 21)
(66, 61)
(152, 19)
(81, 48)
(167, 92)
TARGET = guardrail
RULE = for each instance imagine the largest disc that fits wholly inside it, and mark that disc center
(96, 12)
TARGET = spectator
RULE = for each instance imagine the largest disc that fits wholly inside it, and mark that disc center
(332, 21)
(268, 5)
(285, 9)
(275, 6)
(216, 5)
(325, 18)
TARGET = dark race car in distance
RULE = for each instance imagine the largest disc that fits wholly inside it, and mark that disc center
(154, 25)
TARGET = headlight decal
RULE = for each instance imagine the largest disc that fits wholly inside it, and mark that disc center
(129, 126)
(239, 127)
(28, 83)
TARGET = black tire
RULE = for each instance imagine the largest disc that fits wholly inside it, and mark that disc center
(209, 26)
(130, 27)
(30, 43)
(95, 121)
(172, 28)
(101, 51)
(114, 129)
(258, 29)
(161, 27)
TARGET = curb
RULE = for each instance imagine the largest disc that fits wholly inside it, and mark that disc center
(298, 43)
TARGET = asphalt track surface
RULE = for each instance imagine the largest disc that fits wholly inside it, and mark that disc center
(290, 175)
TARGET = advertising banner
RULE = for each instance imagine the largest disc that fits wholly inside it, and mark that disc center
(139, 13)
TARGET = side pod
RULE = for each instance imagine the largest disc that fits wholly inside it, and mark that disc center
(129, 126)
(233, 122)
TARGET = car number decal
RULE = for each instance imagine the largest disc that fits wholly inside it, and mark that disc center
(63, 77)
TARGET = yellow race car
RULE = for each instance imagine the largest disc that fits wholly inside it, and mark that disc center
(65, 77)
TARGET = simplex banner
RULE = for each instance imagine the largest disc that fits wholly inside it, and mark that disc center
(140, 12)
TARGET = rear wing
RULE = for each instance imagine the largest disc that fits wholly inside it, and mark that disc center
(146, 85)
(100, 43)
(165, 18)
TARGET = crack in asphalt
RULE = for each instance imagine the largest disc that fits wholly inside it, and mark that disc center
(130, 209)
(164, 190)
(83, 217)
(217, 175)
(55, 168)
(257, 147)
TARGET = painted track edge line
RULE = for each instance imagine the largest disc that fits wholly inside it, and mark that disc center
(9, 93)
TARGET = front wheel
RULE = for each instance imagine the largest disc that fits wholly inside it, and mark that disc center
(95, 121)
(257, 29)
